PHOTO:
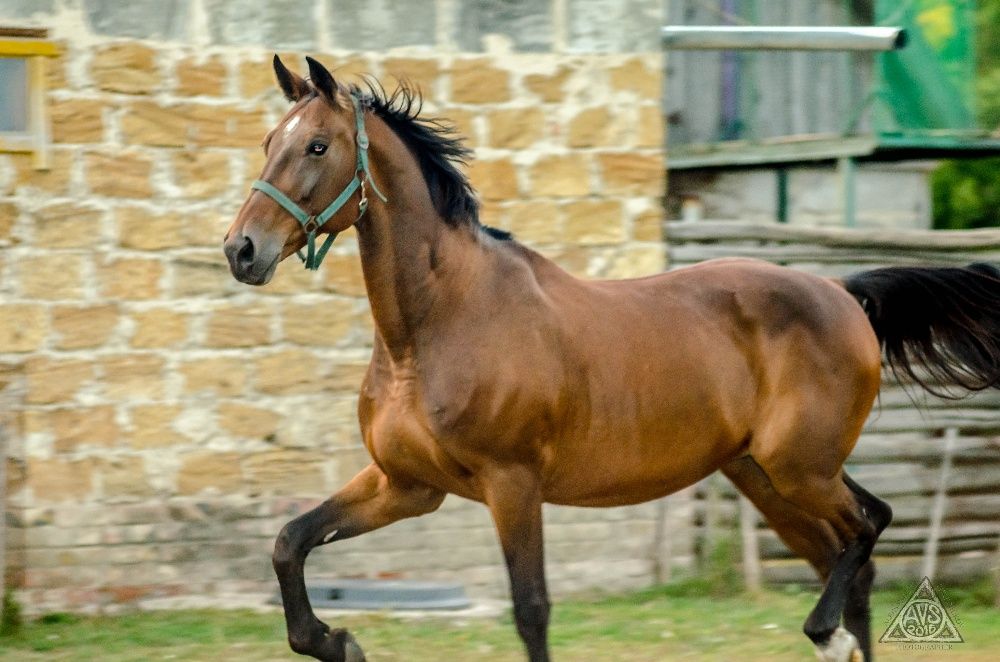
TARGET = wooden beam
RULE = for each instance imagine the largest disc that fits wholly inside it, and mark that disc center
(782, 38)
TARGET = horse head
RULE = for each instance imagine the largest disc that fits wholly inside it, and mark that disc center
(316, 163)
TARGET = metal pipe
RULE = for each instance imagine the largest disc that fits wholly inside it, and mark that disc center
(782, 38)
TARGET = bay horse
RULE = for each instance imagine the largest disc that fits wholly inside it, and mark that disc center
(497, 376)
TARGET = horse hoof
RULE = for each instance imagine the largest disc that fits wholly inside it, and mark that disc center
(842, 647)
(352, 650)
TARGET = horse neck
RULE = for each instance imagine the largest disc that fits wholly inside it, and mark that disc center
(403, 244)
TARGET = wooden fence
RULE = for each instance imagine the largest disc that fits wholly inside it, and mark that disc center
(937, 462)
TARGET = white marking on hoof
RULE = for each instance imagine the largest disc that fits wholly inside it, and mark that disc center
(842, 647)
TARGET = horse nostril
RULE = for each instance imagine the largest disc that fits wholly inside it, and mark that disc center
(246, 253)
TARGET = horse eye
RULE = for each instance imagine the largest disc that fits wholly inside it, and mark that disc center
(317, 149)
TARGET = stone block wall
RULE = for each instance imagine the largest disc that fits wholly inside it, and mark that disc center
(164, 420)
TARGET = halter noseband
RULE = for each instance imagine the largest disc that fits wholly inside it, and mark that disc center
(312, 223)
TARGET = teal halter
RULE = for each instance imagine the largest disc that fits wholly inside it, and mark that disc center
(312, 223)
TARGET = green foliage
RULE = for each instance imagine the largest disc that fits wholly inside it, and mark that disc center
(12, 620)
(967, 192)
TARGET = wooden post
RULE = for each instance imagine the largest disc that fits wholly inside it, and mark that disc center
(749, 547)
(3, 513)
(937, 507)
(662, 547)
(712, 517)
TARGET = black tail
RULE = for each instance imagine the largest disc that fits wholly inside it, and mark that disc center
(944, 320)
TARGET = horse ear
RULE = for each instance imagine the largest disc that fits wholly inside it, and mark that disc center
(294, 86)
(322, 79)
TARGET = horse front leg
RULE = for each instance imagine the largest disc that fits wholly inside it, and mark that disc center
(369, 501)
(514, 498)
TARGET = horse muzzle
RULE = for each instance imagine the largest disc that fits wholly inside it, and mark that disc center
(251, 261)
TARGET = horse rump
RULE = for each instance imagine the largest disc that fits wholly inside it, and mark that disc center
(943, 320)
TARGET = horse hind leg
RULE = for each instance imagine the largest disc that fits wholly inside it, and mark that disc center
(858, 518)
(809, 537)
(816, 541)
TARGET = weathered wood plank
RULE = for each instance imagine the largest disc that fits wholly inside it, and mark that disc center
(874, 240)
(686, 254)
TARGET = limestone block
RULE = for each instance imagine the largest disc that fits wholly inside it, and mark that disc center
(67, 225)
(82, 327)
(55, 180)
(120, 175)
(181, 125)
(209, 471)
(591, 127)
(130, 278)
(590, 222)
(289, 371)
(60, 479)
(637, 76)
(614, 26)
(125, 477)
(527, 25)
(290, 278)
(23, 327)
(636, 261)
(561, 175)
(257, 78)
(159, 327)
(421, 72)
(144, 19)
(283, 24)
(630, 173)
(55, 380)
(477, 81)
(286, 472)
(239, 326)
(317, 325)
(83, 426)
(220, 376)
(203, 274)
(650, 127)
(141, 230)
(130, 376)
(549, 87)
(342, 275)
(8, 216)
(153, 426)
(127, 67)
(202, 77)
(246, 421)
(77, 120)
(55, 70)
(366, 26)
(495, 179)
(202, 173)
(516, 128)
(346, 376)
(536, 221)
(463, 124)
(133, 375)
(648, 226)
(43, 277)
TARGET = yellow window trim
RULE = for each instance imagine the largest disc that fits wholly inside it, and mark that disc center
(25, 47)
(36, 139)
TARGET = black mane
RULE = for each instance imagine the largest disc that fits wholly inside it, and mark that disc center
(438, 148)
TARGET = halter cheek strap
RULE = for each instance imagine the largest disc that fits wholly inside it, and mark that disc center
(311, 224)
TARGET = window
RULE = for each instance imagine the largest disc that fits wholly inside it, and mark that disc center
(23, 117)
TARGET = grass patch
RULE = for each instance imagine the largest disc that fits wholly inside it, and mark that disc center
(680, 621)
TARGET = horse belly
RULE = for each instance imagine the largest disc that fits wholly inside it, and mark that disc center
(647, 429)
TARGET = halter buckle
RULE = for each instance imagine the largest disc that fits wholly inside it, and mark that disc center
(311, 225)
